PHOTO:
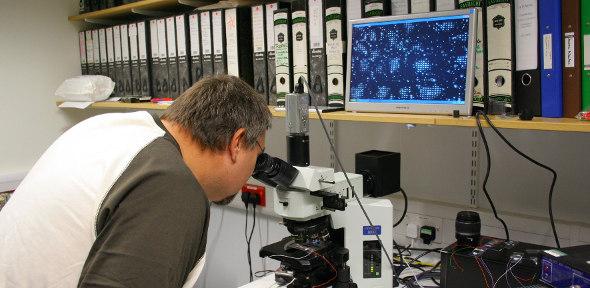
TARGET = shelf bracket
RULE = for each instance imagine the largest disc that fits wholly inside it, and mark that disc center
(151, 13)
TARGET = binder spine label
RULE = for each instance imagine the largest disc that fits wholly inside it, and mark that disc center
(162, 76)
(444, 5)
(127, 85)
(155, 60)
(184, 80)
(134, 55)
(283, 75)
(587, 52)
(82, 46)
(103, 52)
(96, 52)
(144, 73)
(89, 52)
(500, 63)
(399, 7)
(206, 43)
(420, 6)
(526, 35)
(173, 86)
(259, 50)
(194, 30)
(373, 9)
(569, 50)
(270, 53)
(547, 52)
(231, 35)
(119, 84)
(334, 55)
(218, 55)
(299, 35)
(110, 53)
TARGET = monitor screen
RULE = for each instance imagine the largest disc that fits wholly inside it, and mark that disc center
(410, 61)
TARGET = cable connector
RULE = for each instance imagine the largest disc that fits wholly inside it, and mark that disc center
(250, 198)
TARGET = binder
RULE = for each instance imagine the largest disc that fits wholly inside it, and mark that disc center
(299, 34)
(173, 85)
(218, 29)
(269, 11)
(110, 54)
(144, 59)
(195, 44)
(155, 59)
(400, 7)
(119, 83)
(96, 52)
(480, 96)
(317, 55)
(374, 8)
(283, 58)
(500, 29)
(82, 49)
(206, 43)
(585, 20)
(89, 52)
(259, 50)
(184, 73)
(162, 76)
(134, 56)
(572, 85)
(445, 5)
(125, 55)
(528, 76)
(238, 28)
(551, 59)
(335, 51)
(421, 6)
(104, 70)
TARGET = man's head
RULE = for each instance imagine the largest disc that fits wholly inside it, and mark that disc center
(222, 122)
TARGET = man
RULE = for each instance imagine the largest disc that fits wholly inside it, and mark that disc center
(122, 199)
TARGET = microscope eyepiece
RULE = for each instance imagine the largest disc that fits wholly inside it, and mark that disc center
(274, 171)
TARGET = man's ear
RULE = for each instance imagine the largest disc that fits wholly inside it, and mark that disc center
(236, 143)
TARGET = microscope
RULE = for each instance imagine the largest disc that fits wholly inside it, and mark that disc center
(331, 243)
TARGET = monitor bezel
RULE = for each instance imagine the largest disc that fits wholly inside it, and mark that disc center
(416, 108)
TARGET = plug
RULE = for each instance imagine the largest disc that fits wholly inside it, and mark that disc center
(250, 198)
(427, 234)
(254, 190)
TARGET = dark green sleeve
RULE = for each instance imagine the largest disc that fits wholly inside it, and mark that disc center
(151, 227)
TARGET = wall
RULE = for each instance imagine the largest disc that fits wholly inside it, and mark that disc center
(38, 51)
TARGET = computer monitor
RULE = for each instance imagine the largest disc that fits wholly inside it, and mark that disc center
(417, 63)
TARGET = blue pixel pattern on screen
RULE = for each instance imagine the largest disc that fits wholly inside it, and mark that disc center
(421, 61)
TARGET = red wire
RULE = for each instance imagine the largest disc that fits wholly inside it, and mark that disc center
(482, 272)
(331, 266)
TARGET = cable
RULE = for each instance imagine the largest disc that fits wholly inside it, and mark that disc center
(485, 180)
(249, 240)
(534, 162)
(317, 110)
(405, 208)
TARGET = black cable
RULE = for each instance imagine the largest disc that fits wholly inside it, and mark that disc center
(485, 180)
(317, 110)
(536, 163)
(405, 208)
(249, 240)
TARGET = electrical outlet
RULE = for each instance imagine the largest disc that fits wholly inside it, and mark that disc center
(423, 220)
(258, 190)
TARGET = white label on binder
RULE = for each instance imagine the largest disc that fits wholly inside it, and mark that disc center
(399, 7)
(154, 38)
(82, 44)
(95, 47)
(445, 5)
(258, 28)
(133, 41)
(117, 42)
(103, 45)
(170, 33)
(89, 47)
(420, 6)
(526, 35)
(141, 40)
(206, 32)
(299, 46)
(570, 50)
(547, 52)
(110, 49)
(316, 22)
(334, 50)
(217, 33)
(282, 54)
(193, 23)
(180, 36)
(586, 52)
(373, 6)
(124, 43)
(231, 40)
(162, 39)
(270, 40)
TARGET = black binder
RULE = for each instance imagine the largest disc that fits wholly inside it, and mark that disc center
(125, 52)
(317, 53)
(206, 43)
(89, 52)
(104, 69)
(143, 42)
(238, 40)
(174, 86)
(134, 56)
(269, 11)
(162, 75)
(155, 59)
(528, 75)
(259, 51)
(119, 83)
(83, 56)
(195, 47)
(218, 29)
(111, 55)
(184, 72)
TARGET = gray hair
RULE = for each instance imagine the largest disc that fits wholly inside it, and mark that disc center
(214, 108)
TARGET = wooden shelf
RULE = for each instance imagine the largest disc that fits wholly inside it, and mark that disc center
(538, 123)
(143, 7)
